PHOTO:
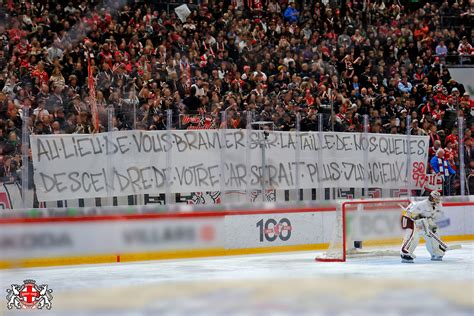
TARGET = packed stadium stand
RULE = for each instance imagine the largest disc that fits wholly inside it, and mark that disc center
(96, 66)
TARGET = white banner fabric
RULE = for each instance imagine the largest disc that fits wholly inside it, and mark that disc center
(138, 162)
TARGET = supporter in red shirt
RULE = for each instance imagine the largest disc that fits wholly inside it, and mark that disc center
(466, 102)
(433, 134)
(437, 113)
(440, 98)
(105, 55)
(453, 138)
(23, 48)
(450, 154)
(41, 74)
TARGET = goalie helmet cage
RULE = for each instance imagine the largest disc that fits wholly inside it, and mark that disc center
(343, 234)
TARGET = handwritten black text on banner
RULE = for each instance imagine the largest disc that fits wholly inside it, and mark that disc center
(134, 162)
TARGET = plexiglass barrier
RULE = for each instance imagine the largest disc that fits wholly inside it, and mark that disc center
(142, 155)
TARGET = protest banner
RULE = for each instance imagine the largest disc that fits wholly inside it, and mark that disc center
(134, 162)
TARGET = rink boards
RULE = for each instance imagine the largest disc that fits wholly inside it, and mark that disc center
(105, 238)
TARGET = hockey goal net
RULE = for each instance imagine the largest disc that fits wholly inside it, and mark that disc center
(373, 224)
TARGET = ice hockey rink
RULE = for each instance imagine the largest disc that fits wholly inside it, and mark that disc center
(272, 284)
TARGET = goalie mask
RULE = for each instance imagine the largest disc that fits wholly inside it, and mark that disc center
(435, 197)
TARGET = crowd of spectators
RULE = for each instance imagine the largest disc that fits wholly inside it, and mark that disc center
(333, 61)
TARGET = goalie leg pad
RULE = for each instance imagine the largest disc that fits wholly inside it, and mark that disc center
(435, 246)
(411, 239)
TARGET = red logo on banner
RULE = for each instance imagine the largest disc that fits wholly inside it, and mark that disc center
(419, 174)
(429, 182)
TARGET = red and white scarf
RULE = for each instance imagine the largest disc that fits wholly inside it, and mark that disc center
(443, 166)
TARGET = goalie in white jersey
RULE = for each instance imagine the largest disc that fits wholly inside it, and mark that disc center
(419, 218)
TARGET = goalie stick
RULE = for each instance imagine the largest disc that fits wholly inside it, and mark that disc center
(431, 234)
(356, 253)
(453, 247)
(443, 244)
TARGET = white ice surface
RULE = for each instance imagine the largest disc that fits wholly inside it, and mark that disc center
(458, 265)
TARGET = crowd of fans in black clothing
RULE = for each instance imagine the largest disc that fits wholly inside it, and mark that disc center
(333, 61)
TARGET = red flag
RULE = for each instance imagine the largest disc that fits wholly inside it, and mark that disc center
(93, 101)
